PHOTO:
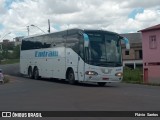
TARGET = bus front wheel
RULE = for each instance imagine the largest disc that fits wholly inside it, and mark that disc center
(101, 84)
(71, 77)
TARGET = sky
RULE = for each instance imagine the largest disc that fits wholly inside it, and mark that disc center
(121, 16)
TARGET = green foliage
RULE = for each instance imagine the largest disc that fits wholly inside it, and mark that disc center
(12, 54)
(6, 79)
(7, 46)
(16, 51)
(133, 75)
(10, 61)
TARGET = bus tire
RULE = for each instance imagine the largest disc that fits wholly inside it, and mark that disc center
(71, 77)
(101, 84)
(30, 73)
(36, 73)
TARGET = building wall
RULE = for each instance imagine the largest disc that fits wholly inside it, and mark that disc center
(134, 59)
(18, 40)
(133, 53)
(153, 74)
(151, 57)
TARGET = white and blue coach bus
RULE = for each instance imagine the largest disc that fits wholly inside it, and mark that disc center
(74, 55)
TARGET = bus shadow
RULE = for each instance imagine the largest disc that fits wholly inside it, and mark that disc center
(80, 84)
(108, 85)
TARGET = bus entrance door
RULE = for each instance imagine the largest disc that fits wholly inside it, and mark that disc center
(80, 69)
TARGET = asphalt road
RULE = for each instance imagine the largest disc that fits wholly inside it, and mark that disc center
(23, 94)
(27, 94)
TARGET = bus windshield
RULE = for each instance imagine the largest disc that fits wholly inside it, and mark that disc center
(104, 50)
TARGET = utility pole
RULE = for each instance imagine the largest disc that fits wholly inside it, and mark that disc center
(49, 26)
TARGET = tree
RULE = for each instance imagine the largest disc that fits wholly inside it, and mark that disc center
(16, 52)
(1, 57)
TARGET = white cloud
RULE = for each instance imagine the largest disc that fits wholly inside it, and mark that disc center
(148, 15)
(111, 15)
(142, 20)
(143, 3)
(2, 10)
(59, 6)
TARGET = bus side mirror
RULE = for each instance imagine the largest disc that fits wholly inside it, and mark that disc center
(86, 40)
(126, 43)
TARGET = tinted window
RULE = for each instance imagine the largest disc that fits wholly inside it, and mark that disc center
(41, 42)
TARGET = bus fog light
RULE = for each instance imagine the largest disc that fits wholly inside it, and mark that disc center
(119, 74)
(91, 73)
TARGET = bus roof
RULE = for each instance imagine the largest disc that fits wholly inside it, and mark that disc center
(74, 30)
(101, 31)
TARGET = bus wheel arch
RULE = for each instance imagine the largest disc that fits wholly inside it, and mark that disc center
(70, 76)
(30, 72)
(36, 73)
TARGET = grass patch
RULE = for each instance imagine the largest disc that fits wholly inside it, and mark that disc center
(9, 61)
(6, 79)
(133, 75)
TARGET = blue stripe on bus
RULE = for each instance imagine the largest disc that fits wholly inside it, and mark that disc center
(46, 53)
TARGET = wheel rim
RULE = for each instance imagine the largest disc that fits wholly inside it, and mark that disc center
(36, 75)
(71, 76)
(30, 73)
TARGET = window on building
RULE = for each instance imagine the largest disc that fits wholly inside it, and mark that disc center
(138, 54)
(127, 52)
(152, 42)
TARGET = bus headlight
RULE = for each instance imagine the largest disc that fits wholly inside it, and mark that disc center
(91, 73)
(119, 74)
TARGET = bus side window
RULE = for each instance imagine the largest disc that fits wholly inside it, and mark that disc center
(81, 53)
(81, 46)
(73, 42)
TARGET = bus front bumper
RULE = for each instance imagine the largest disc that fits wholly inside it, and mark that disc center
(99, 78)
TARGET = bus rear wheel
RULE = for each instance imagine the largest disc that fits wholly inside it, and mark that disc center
(30, 74)
(71, 77)
(36, 74)
(101, 83)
